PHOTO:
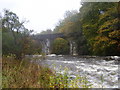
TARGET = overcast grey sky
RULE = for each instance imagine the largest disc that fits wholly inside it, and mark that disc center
(42, 14)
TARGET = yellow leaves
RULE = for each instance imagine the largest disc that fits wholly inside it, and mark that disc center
(103, 43)
(112, 42)
(115, 34)
(108, 25)
(102, 38)
(105, 30)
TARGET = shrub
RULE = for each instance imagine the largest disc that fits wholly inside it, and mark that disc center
(60, 46)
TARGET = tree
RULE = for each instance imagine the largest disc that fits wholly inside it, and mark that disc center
(108, 39)
(14, 35)
(48, 31)
(100, 27)
(60, 46)
(71, 27)
(69, 16)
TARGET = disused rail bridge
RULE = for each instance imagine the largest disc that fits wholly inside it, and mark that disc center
(46, 41)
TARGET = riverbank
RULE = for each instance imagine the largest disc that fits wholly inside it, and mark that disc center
(23, 74)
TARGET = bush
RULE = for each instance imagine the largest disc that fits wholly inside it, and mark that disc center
(60, 46)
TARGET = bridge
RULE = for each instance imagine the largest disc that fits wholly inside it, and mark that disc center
(46, 41)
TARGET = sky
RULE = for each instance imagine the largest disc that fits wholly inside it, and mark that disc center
(40, 14)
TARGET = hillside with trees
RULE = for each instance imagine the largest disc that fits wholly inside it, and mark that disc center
(95, 28)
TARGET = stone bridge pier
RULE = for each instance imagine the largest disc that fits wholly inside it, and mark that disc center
(73, 48)
(46, 47)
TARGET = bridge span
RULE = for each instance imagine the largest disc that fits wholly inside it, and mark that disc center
(46, 41)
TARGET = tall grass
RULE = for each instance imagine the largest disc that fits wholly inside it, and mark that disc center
(22, 74)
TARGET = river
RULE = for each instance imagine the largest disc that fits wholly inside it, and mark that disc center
(91, 67)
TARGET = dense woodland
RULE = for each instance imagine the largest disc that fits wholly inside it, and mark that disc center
(95, 29)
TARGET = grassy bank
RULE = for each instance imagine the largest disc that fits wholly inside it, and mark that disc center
(22, 74)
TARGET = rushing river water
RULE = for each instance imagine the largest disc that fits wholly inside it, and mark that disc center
(91, 67)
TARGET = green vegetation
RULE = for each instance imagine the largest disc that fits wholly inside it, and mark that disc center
(16, 39)
(95, 29)
(23, 74)
(60, 46)
(101, 27)
(65, 81)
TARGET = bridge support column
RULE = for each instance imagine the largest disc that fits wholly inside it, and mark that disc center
(46, 46)
(73, 48)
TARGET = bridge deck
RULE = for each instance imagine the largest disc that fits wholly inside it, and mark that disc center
(48, 36)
